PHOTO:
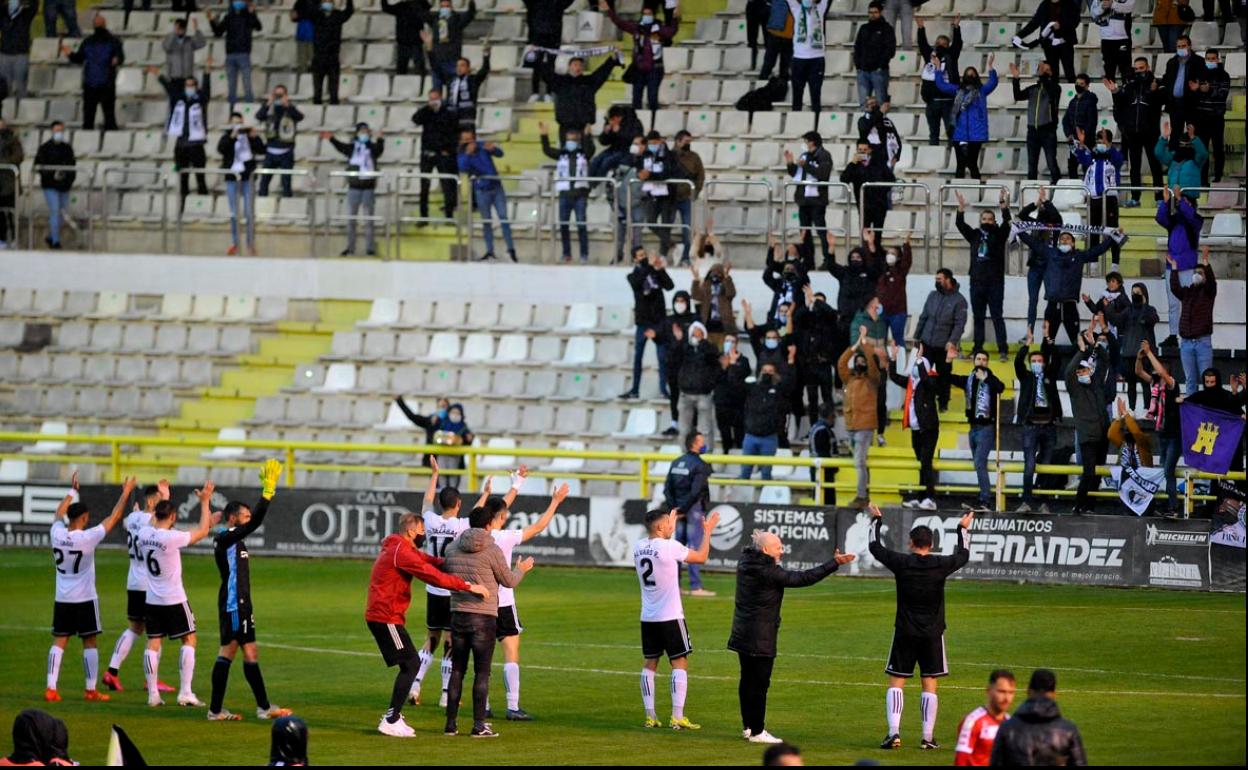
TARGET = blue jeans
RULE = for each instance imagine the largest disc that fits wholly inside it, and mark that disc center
(689, 532)
(569, 204)
(763, 446)
(66, 10)
(1035, 280)
(284, 161)
(983, 439)
(495, 200)
(1197, 356)
(872, 83)
(1169, 35)
(357, 199)
(897, 325)
(1038, 442)
(649, 83)
(1175, 308)
(443, 72)
(58, 202)
(685, 210)
(1169, 450)
(237, 64)
(639, 348)
(602, 163)
(233, 191)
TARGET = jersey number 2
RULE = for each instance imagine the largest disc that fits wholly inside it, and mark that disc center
(647, 575)
(60, 560)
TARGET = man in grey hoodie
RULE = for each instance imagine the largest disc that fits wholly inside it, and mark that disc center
(474, 621)
(940, 327)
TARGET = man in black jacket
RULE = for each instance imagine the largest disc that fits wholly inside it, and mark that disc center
(648, 280)
(463, 88)
(15, 21)
(1081, 114)
(56, 182)
(671, 336)
(1085, 377)
(874, 47)
(100, 55)
(856, 281)
(766, 403)
(939, 105)
(439, 136)
(237, 26)
(988, 247)
(544, 21)
(729, 397)
(327, 41)
(281, 120)
(1038, 410)
(756, 621)
(815, 329)
(445, 39)
(188, 125)
(982, 390)
(919, 628)
(576, 93)
(1058, 23)
(1042, 98)
(1213, 87)
(814, 165)
(869, 166)
(1137, 110)
(919, 415)
(1037, 735)
(700, 370)
(409, 20)
(687, 491)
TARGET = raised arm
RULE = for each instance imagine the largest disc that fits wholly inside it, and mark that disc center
(708, 526)
(119, 510)
(779, 576)
(534, 529)
(205, 512)
(890, 559)
(503, 572)
(431, 491)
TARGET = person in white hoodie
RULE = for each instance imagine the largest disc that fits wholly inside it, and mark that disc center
(1114, 19)
(808, 47)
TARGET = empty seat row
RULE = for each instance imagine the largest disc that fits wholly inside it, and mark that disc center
(56, 303)
(95, 403)
(111, 370)
(168, 338)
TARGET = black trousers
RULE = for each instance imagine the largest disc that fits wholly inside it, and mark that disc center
(755, 25)
(944, 371)
(410, 54)
(1212, 131)
(873, 214)
(807, 73)
(661, 211)
(1139, 147)
(829, 478)
(105, 97)
(1110, 219)
(813, 218)
(752, 690)
(1116, 55)
(443, 164)
(1091, 452)
(1042, 139)
(1066, 313)
(939, 112)
(924, 444)
(817, 382)
(474, 634)
(1063, 56)
(190, 156)
(776, 48)
(731, 426)
(325, 69)
(673, 393)
(543, 70)
(967, 156)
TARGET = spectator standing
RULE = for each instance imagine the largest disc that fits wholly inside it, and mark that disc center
(688, 166)
(1137, 111)
(11, 153)
(281, 123)
(778, 39)
(439, 138)
(900, 14)
(940, 58)
(409, 20)
(240, 149)
(362, 154)
(1114, 19)
(765, 408)
(646, 70)
(302, 14)
(940, 327)
(1178, 215)
(687, 490)
(983, 391)
(869, 167)
(447, 420)
(856, 281)
(180, 50)
(1196, 319)
(1042, 98)
(874, 47)
(444, 40)
(1063, 276)
(1185, 157)
(1135, 323)
(1213, 86)
(988, 250)
(968, 115)
(65, 9)
(1134, 447)
(890, 287)
(619, 131)
(1042, 210)
(815, 327)
(756, 13)
(860, 373)
(476, 159)
(813, 165)
(808, 47)
(1102, 173)
(714, 295)
(188, 126)
(1037, 735)
(56, 182)
(657, 167)
(463, 87)
(1058, 23)
(576, 94)
(1038, 410)
(672, 334)
(544, 21)
(648, 280)
(1087, 408)
(919, 415)
(821, 441)
(1181, 70)
(327, 25)
(1080, 116)
(700, 371)
(877, 130)
(100, 55)
(1162, 416)
(1171, 18)
(237, 27)
(729, 397)
(629, 206)
(15, 21)
(787, 276)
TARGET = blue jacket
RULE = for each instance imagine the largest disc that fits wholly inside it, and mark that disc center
(971, 124)
(95, 54)
(1182, 231)
(1063, 273)
(479, 164)
(1100, 172)
(1184, 173)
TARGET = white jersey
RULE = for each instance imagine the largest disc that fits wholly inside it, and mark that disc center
(161, 550)
(74, 553)
(507, 540)
(137, 579)
(657, 560)
(440, 532)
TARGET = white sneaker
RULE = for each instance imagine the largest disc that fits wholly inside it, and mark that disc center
(701, 592)
(224, 715)
(274, 711)
(535, 98)
(189, 700)
(442, 700)
(909, 503)
(928, 504)
(765, 737)
(745, 733)
(155, 700)
(397, 729)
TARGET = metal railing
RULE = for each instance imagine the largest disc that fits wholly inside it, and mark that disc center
(309, 206)
(66, 217)
(556, 222)
(515, 194)
(709, 203)
(403, 192)
(927, 213)
(643, 224)
(942, 204)
(161, 179)
(344, 218)
(840, 202)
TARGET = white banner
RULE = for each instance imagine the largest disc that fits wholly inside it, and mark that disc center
(1136, 486)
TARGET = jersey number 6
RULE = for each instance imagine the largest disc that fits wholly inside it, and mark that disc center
(153, 566)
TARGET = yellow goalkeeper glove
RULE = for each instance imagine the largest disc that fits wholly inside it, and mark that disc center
(270, 472)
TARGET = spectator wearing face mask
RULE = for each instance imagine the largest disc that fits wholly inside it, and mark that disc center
(988, 249)
(188, 126)
(855, 280)
(1063, 275)
(919, 415)
(1041, 98)
(968, 115)
(870, 318)
(281, 123)
(1195, 319)
(444, 39)
(544, 22)
(1080, 118)
(940, 328)
(808, 64)
(100, 55)
(874, 47)
(812, 166)
(1111, 302)
(1162, 417)
(687, 490)
(56, 182)
(786, 273)
(1181, 70)
(237, 27)
(429, 422)
(700, 371)
(672, 334)
(890, 287)
(180, 49)
(476, 159)
(463, 87)
(714, 296)
(572, 185)
(648, 280)
(1102, 173)
(869, 167)
(729, 397)
(1213, 86)
(1137, 110)
(876, 129)
(327, 24)
(1087, 409)
(983, 391)
(656, 167)
(938, 59)
(1041, 210)
(444, 427)
(1171, 18)
(362, 155)
(409, 20)
(11, 153)
(768, 339)
(814, 330)
(1038, 410)
(240, 149)
(1106, 348)
(687, 166)
(1058, 23)
(1214, 396)
(1135, 321)
(860, 372)
(648, 40)
(630, 214)
(576, 93)
(1114, 19)
(1178, 215)
(765, 407)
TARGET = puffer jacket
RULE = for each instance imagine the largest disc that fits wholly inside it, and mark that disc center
(1185, 173)
(970, 123)
(943, 319)
(476, 559)
(760, 592)
(1183, 226)
(699, 368)
(1063, 273)
(1038, 736)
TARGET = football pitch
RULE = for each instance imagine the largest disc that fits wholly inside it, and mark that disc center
(1151, 677)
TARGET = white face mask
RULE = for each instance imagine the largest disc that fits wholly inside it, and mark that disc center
(636, 149)
(695, 341)
(680, 307)
(1064, 248)
(890, 258)
(1198, 278)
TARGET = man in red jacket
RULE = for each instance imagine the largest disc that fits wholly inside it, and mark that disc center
(389, 594)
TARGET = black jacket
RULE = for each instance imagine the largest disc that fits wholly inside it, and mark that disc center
(1087, 402)
(699, 368)
(874, 46)
(409, 19)
(924, 396)
(56, 154)
(1081, 112)
(1211, 103)
(729, 397)
(545, 22)
(970, 386)
(1137, 107)
(818, 168)
(920, 582)
(1135, 324)
(176, 93)
(787, 286)
(765, 407)
(875, 170)
(760, 591)
(687, 483)
(855, 284)
(15, 28)
(676, 348)
(439, 129)
(1190, 72)
(814, 330)
(928, 91)
(327, 31)
(648, 286)
(576, 97)
(225, 147)
(1066, 13)
(1027, 383)
(988, 249)
(375, 147)
(449, 47)
(236, 27)
(1038, 736)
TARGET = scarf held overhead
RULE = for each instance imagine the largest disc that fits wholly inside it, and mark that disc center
(1019, 225)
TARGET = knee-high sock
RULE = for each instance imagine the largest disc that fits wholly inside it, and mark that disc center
(151, 665)
(402, 686)
(186, 669)
(446, 671)
(220, 677)
(426, 659)
(647, 691)
(927, 707)
(511, 683)
(894, 700)
(91, 666)
(680, 688)
(256, 680)
(54, 665)
(121, 650)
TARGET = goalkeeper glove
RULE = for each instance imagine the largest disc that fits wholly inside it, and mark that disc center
(270, 472)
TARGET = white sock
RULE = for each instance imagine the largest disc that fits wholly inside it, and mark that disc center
(151, 665)
(927, 708)
(91, 665)
(511, 683)
(446, 673)
(647, 692)
(54, 665)
(122, 648)
(426, 658)
(186, 667)
(680, 688)
(893, 702)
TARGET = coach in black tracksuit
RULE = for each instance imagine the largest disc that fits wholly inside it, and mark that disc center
(919, 628)
(756, 618)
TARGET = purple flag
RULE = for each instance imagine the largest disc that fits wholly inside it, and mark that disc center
(1210, 437)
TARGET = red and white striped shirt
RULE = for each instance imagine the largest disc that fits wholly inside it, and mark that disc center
(975, 738)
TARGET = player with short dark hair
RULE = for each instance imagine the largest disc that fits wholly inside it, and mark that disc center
(781, 755)
(979, 728)
(76, 610)
(657, 558)
(919, 628)
(238, 627)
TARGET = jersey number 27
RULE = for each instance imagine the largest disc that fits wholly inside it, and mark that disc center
(59, 555)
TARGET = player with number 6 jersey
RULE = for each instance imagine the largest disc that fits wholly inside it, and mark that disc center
(77, 607)
(168, 611)
(657, 558)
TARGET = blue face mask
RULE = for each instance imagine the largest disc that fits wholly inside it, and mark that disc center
(1064, 248)
(703, 449)
(1213, 65)
(238, 6)
(442, 413)
(327, 7)
(647, 19)
(1037, 368)
(444, 12)
(771, 344)
(1085, 379)
(1102, 148)
(361, 138)
(190, 93)
(654, 147)
(1182, 53)
(571, 146)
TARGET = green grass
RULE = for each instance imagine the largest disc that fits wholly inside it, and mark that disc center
(1150, 677)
